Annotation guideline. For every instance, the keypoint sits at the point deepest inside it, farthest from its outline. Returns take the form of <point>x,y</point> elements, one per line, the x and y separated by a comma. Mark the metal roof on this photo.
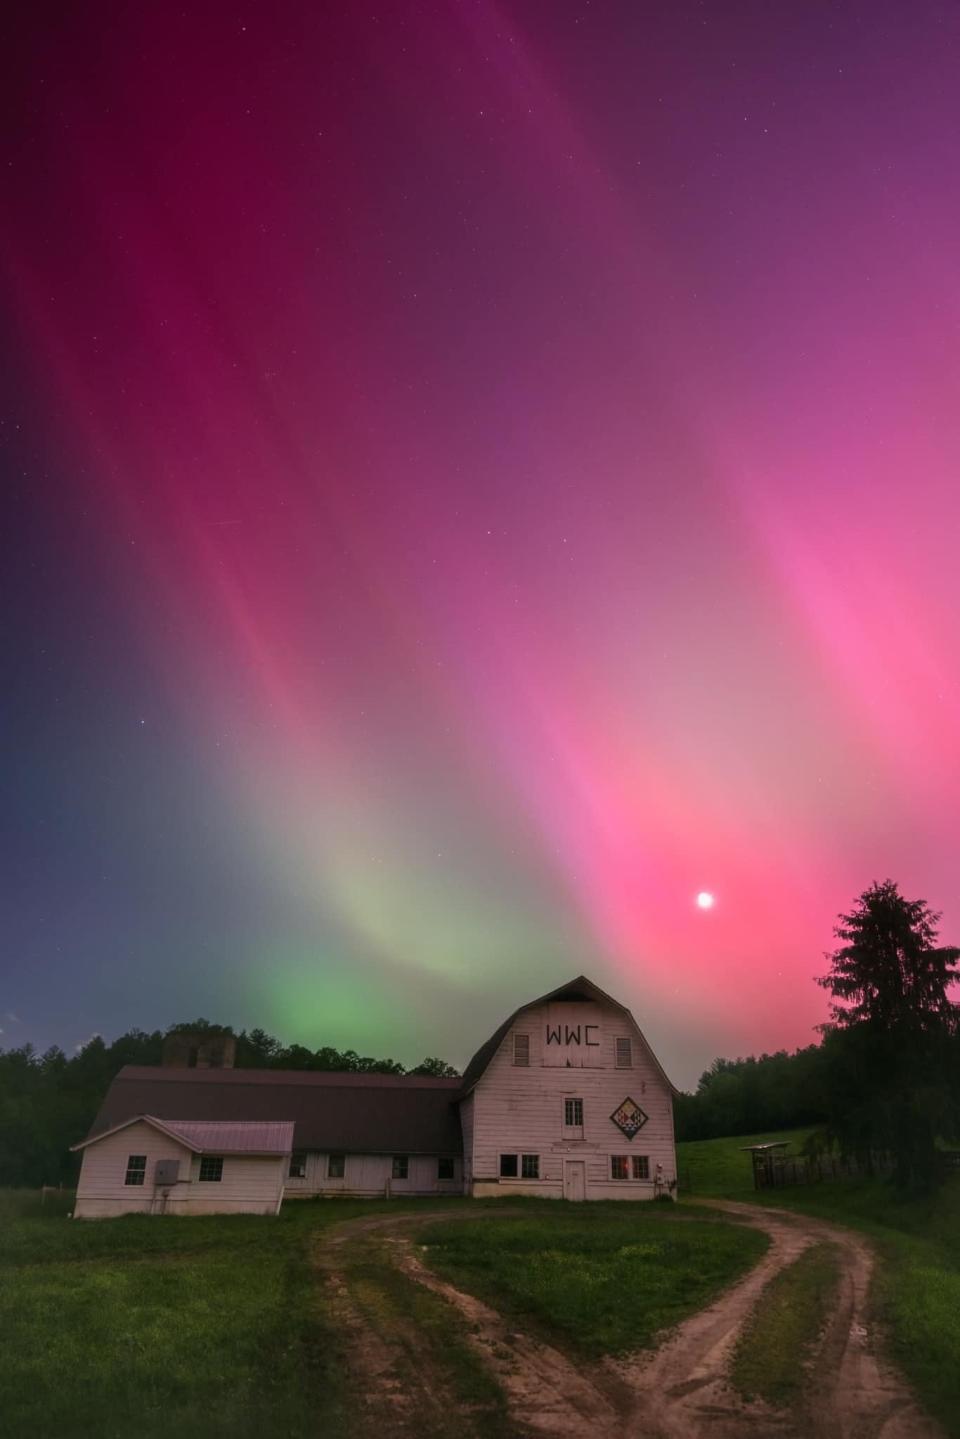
<point>345,1113</point>
<point>234,1136</point>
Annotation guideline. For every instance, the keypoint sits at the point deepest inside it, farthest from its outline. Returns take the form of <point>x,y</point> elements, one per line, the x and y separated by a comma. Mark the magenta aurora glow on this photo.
<point>475,478</point>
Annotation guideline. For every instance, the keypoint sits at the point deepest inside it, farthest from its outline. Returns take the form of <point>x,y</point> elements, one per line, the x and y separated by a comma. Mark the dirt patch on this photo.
<point>679,1391</point>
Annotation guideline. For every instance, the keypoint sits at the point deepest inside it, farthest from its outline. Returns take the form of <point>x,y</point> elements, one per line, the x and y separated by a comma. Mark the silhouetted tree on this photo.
<point>892,1044</point>
<point>436,1069</point>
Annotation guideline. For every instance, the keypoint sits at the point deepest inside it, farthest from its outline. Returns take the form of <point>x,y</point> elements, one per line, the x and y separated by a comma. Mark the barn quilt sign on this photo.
<point>629,1118</point>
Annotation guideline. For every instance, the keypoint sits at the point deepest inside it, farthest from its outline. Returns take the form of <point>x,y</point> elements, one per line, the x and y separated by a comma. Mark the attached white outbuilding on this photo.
<point>147,1165</point>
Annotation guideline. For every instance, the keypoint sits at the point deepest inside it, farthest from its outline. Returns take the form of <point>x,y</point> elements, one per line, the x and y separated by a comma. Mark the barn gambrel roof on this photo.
<point>580,988</point>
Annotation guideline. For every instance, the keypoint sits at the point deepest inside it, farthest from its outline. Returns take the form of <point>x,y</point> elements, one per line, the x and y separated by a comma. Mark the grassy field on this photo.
<point>717,1167</point>
<point>153,1326</point>
<point>917,1287</point>
<point>603,1278</point>
<point>219,1326</point>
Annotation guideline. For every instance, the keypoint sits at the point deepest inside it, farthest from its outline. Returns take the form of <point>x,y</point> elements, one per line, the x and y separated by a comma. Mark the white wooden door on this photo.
<point>574,1179</point>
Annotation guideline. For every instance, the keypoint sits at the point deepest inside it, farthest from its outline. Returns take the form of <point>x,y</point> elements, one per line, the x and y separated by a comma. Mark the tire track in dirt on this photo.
<point>682,1389</point>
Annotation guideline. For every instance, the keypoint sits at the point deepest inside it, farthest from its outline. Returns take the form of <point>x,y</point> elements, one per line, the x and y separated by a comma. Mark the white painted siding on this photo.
<point>250,1184</point>
<point>368,1175</point>
<point>519,1110</point>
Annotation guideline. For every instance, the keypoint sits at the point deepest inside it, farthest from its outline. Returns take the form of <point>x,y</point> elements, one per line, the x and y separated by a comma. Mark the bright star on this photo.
<point>705,900</point>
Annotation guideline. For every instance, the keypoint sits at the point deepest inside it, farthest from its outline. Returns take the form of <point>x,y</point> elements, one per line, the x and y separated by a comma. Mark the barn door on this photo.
<point>574,1179</point>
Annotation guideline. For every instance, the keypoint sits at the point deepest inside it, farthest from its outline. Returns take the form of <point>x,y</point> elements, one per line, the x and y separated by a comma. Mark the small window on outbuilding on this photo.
<point>641,1166</point>
<point>530,1166</point>
<point>521,1050</point>
<point>619,1166</point>
<point>211,1168</point>
<point>401,1166</point>
<point>444,1167</point>
<point>136,1169</point>
<point>508,1166</point>
<point>336,1165</point>
<point>298,1165</point>
<point>624,1054</point>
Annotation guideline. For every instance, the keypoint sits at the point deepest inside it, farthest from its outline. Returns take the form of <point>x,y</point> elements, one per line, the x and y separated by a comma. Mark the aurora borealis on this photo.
<point>475,477</point>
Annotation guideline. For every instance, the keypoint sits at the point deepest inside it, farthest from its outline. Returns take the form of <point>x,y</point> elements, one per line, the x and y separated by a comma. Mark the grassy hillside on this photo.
<point>917,1285</point>
<point>718,1167</point>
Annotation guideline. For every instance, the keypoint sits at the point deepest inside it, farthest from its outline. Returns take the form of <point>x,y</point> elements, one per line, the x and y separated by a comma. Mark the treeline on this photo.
<point>48,1101</point>
<point>750,1096</point>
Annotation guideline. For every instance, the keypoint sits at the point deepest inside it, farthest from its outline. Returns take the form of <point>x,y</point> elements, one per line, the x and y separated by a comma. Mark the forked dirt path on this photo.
<point>680,1390</point>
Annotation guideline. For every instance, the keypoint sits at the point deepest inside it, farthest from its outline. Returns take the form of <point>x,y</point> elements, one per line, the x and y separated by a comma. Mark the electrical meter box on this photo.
<point>167,1171</point>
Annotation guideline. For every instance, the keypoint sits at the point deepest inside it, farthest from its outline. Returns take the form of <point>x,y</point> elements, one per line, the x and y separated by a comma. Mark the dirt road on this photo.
<point>678,1391</point>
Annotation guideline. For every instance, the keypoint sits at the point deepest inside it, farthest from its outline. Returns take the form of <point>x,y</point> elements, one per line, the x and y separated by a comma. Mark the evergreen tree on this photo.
<point>893,1041</point>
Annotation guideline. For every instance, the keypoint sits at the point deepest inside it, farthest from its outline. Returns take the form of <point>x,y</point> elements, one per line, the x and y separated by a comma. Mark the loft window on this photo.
<point>298,1165</point>
<point>530,1166</point>
<point>336,1163</point>
<point>521,1050</point>
<point>211,1168</point>
<point>444,1167</point>
<point>624,1057</point>
<point>401,1165</point>
<point>573,1113</point>
<point>508,1166</point>
<point>641,1166</point>
<point>136,1169</point>
<point>619,1166</point>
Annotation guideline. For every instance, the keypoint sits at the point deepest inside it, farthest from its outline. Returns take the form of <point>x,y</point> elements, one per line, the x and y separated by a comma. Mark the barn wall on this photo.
<point>520,1110</point>
<point>368,1175</point>
<point>101,1189</point>
<point>250,1184</point>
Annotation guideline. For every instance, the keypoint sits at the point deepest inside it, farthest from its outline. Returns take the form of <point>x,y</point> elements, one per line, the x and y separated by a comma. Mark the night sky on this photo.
<point>474,477</point>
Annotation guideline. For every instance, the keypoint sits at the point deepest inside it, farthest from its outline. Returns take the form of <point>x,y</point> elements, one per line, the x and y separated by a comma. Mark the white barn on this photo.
<point>565,1100</point>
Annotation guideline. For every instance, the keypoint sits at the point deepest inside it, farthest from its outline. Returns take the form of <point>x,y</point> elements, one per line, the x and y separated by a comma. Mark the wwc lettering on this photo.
<point>571,1034</point>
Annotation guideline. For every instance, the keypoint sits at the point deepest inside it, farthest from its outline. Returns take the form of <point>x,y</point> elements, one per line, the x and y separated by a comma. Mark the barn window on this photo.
<point>521,1050</point>
<point>624,1058</point>
<point>573,1113</point>
<point>136,1169</point>
<point>401,1165</point>
<point>641,1166</point>
<point>530,1166</point>
<point>619,1168</point>
<point>298,1165</point>
<point>211,1168</point>
<point>336,1163</point>
<point>508,1166</point>
<point>444,1167</point>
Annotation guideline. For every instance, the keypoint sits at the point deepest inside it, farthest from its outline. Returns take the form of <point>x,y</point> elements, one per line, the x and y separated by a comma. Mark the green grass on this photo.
<point>717,1166</point>
<point>603,1279</point>
<point>776,1346</point>
<point>151,1325</point>
<point>916,1291</point>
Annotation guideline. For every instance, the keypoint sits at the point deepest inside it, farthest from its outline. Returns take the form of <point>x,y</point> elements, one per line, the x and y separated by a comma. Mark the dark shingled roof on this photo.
<point>349,1113</point>
<point>580,988</point>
